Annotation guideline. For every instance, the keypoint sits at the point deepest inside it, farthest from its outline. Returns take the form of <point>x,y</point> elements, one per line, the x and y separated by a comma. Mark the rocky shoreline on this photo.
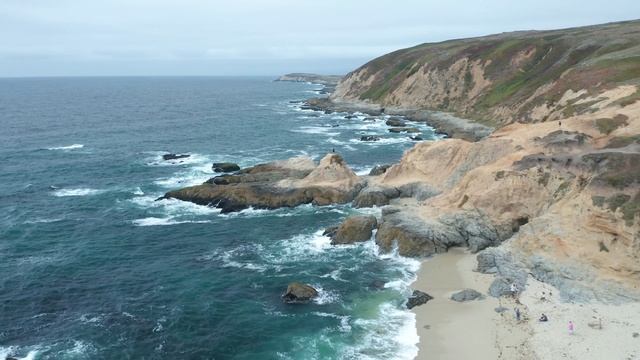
<point>551,203</point>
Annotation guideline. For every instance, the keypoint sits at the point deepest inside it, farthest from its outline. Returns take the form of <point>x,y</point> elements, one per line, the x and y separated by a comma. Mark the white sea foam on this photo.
<point>391,335</point>
<point>68,147</point>
<point>88,319</point>
<point>382,141</point>
<point>43,220</point>
<point>228,258</point>
<point>137,191</point>
<point>5,352</point>
<point>325,296</point>
<point>317,130</point>
<point>77,192</point>
<point>344,320</point>
<point>173,207</point>
<point>154,221</point>
<point>80,348</point>
<point>155,159</point>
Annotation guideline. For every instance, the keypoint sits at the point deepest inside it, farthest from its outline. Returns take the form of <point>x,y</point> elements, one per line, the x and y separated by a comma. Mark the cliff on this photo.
<point>557,184</point>
<point>530,76</point>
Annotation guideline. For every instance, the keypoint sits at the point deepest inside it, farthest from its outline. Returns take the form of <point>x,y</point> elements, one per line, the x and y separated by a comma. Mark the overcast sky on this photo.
<point>244,37</point>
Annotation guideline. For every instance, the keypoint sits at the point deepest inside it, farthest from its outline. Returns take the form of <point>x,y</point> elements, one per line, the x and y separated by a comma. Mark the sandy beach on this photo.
<point>474,329</point>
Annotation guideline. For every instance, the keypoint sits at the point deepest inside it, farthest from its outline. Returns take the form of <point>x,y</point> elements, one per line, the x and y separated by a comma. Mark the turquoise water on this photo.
<point>93,268</point>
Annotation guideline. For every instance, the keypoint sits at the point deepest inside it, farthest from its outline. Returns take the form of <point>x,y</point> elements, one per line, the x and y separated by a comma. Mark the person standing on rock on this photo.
<point>571,327</point>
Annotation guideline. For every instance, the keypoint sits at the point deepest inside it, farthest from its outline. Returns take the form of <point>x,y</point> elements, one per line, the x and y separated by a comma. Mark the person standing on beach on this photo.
<point>514,290</point>
<point>517,314</point>
<point>571,327</point>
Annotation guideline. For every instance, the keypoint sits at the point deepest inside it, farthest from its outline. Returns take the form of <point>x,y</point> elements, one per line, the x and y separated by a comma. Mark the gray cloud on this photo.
<point>191,37</point>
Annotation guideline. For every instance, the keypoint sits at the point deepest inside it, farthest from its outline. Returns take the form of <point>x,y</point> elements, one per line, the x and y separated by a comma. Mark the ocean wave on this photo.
<point>317,130</point>
<point>43,220</point>
<point>172,207</point>
<point>391,335</point>
<point>325,296</point>
<point>11,351</point>
<point>154,221</point>
<point>77,192</point>
<point>156,159</point>
<point>299,210</point>
<point>344,320</point>
<point>383,141</point>
<point>68,147</point>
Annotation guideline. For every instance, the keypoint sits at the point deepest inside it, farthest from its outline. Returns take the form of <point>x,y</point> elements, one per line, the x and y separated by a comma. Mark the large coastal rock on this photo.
<point>418,298</point>
<point>379,169</point>
<point>375,196</point>
<point>299,293</point>
<point>466,295</point>
<point>354,229</point>
<point>419,236</point>
<point>225,167</point>
<point>173,156</point>
<point>279,184</point>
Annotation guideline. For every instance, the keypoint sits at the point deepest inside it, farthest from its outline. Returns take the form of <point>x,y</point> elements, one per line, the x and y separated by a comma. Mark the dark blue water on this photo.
<point>93,268</point>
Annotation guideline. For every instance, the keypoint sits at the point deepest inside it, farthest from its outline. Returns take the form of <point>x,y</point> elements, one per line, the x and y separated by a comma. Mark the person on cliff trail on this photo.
<point>571,327</point>
<point>517,314</point>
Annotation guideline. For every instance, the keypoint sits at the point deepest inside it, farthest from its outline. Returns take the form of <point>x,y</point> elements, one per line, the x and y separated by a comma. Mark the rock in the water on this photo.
<point>299,293</point>
<point>376,285</point>
<point>418,298</point>
<point>330,231</point>
<point>287,183</point>
<point>396,122</point>
<point>225,167</point>
<point>355,229</point>
<point>404,129</point>
<point>416,138</point>
<point>466,295</point>
<point>370,138</point>
<point>379,170</point>
<point>174,156</point>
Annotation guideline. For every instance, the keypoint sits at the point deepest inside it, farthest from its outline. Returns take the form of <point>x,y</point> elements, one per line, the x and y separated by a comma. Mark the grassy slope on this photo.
<point>594,58</point>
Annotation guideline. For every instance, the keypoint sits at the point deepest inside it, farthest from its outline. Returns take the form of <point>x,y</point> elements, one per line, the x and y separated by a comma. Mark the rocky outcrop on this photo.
<point>370,138</point>
<point>353,229</point>
<point>279,184</point>
<point>417,236</point>
<point>379,170</point>
<point>225,167</point>
<point>418,298</point>
<point>396,122</point>
<point>375,196</point>
<point>466,295</point>
<point>174,156</point>
<point>299,293</point>
<point>404,130</point>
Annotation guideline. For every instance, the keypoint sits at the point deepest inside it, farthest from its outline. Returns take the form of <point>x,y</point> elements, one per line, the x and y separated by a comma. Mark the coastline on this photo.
<point>444,123</point>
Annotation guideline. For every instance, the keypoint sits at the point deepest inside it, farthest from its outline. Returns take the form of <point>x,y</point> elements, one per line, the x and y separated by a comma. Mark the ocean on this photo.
<point>94,268</point>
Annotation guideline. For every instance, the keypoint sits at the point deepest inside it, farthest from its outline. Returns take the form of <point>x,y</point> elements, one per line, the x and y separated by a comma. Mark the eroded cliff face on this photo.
<point>514,77</point>
<point>565,195</point>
